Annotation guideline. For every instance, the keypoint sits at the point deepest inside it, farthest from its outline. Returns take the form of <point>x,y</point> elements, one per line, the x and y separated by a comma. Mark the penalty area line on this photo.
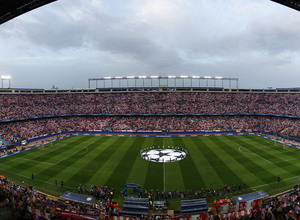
<point>34,178</point>
<point>251,152</point>
<point>35,161</point>
<point>72,155</point>
<point>254,187</point>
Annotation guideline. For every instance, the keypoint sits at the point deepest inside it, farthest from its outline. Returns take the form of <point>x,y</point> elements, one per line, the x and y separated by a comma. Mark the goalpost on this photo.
<point>42,147</point>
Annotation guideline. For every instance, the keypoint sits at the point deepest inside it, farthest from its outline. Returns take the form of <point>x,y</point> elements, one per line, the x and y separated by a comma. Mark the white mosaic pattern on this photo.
<point>163,155</point>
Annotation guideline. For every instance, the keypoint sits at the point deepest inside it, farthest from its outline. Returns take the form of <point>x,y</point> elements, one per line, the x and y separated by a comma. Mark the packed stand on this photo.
<point>20,130</point>
<point>18,202</point>
<point>194,194</point>
<point>24,106</point>
<point>282,206</point>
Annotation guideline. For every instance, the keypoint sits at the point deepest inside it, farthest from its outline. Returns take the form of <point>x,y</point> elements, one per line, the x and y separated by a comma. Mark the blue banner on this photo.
<point>78,197</point>
<point>168,114</point>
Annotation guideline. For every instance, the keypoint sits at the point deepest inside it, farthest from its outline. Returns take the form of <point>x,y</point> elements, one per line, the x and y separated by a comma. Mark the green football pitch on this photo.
<point>211,162</point>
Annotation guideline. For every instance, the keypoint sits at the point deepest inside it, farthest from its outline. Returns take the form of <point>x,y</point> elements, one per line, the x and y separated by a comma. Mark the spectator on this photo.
<point>6,210</point>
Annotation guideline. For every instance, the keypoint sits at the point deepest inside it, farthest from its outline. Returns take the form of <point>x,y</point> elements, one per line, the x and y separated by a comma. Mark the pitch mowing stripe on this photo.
<point>275,146</point>
<point>191,177</point>
<point>96,162</point>
<point>59,152</point>
<point>222,151</point>
<point>46,187</point>
<point>173,176</point>
<point>108,167</point>
<point>285,163</point>
<point>219,149</point>
<point>281,165</point>
<point>102,174</point>
<point>267,144</point>
<point>244,162</point>
<point>36,167</point>
<point>48,157</point>
<point>51,152</point>
<point>87,155</point>
<point>32,154</point>
<point>202,165</point>
<point>275,187</point>
<point>67,161</point>
<point>262,156</point>
<point>253,161</point>
<point>120,174</point>
<point>68,150</point>
<point>291,151</point>
<point>57,155</point>
<point>277,168</point>
<point>139,169</point>
<point>154,176</point>
<point>218,164</point>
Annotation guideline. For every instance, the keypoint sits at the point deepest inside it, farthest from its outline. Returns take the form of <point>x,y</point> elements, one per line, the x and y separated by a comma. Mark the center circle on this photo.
<point>163,155</point>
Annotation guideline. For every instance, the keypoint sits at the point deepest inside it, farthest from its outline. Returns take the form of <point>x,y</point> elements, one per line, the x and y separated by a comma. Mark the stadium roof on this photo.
<point>10,9</point>
<point>295,4</point>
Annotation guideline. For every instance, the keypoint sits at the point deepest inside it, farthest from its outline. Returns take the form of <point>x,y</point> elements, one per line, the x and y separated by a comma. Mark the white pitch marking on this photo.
<point>164,177</point>
<point>254,187</point>
<point>258,156</point>
<point>70,156</point>
<point>36,161</point>
<point>34,178</point>
<point>249,152</point>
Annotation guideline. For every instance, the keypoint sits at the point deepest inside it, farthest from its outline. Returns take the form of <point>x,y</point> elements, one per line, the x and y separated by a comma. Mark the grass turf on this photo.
<point>115,161</point>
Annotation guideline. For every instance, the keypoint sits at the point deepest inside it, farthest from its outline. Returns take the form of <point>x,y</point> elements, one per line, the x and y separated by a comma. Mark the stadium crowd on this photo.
<point>194,194</point>
<point>20,130</point>
<point>24,106</point>
<point>18,202</point>
<point>21,200</point>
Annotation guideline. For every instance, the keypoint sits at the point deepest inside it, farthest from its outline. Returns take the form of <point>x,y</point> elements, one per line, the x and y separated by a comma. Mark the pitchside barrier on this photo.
<point>193,207</point>
<point>78,198</point>
<point>135,206</point>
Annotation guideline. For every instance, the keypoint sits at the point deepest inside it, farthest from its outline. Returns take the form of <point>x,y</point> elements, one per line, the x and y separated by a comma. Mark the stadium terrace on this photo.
<point>48,133</point>
<point>30,119</point>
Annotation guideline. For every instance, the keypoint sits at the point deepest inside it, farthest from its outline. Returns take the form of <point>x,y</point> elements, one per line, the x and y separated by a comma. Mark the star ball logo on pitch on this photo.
<point>160,155</point>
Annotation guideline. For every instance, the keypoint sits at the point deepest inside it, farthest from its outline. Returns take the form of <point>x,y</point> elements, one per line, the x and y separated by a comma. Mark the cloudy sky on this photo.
<point>66,42</point>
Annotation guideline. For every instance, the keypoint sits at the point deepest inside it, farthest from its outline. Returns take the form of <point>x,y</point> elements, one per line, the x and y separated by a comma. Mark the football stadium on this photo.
<point>148,147</point>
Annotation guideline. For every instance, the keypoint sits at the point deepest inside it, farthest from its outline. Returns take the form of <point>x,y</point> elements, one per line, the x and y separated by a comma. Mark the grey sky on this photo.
<point>68,41</point>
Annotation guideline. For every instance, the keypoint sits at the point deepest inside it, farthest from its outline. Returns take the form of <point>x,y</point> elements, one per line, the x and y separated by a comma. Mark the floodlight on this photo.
<point>154,77</point>
<point>171,76</point>
<point>218,77</point>
<point>183,76</point>
<point>130,77</point>
<point>142,77</point>
<point>196,77</point>
<point>119,77</point>
<point>207,77</point>
<point>5,77</point>
<point>107,77</point>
